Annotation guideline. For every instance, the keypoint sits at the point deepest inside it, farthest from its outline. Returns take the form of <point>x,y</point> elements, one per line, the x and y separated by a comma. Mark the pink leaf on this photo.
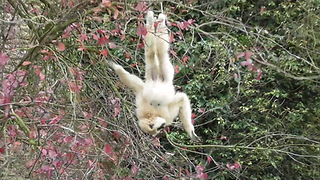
<point>3,59</point>
<point>233,166</point>
<point>134,170</point>
<point>209,159</point>
<point>52,154</point>
<point>112,45</point>
<point>83,37</point>
<point>107,149</point>
<point>259,73</point>
<point>166,177</point>
<point>248,54</point>
<point>240,55</point>
<point>2,150</point>
<point>25,63</point>
<point>201,110</point>
<point>142,30</point>
<point>262,9</point>
<point>247,63</point>
<point>61,46</point>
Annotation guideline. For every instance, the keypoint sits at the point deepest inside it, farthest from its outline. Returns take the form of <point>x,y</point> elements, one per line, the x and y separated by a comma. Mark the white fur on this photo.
<point>156,100</point>
<point>159,89</point>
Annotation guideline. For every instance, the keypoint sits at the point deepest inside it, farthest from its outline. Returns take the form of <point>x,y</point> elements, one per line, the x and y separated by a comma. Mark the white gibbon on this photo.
<point>157,102</point>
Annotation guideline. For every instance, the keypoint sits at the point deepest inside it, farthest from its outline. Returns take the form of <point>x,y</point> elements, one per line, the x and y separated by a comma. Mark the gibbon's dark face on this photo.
<point>153,127</point>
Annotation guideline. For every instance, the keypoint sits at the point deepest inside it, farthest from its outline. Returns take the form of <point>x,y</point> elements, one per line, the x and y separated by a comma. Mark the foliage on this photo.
<point>250,69</point>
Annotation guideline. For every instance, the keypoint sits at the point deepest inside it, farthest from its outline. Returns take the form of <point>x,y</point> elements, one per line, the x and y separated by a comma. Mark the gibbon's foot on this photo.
<point>162,18</point>
<point>150,19</point>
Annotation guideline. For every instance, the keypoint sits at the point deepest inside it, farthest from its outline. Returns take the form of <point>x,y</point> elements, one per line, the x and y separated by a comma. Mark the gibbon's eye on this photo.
<point>161,127</point>
<point>151,126</point>
<point>158,104</point>
<point>151,104</point>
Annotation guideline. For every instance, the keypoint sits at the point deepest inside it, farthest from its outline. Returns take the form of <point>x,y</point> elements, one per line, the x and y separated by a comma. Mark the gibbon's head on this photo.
<point>160,96</point>
<point>152,126</point>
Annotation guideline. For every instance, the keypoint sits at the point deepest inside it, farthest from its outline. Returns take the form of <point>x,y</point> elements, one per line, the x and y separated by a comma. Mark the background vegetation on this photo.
<point>250,68</point>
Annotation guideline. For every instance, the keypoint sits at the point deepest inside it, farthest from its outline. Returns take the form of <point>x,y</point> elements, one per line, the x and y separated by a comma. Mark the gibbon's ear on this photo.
<point>126,78</point>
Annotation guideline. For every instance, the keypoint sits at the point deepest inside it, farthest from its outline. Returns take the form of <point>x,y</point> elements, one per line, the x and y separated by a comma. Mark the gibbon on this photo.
<point>157,103</point>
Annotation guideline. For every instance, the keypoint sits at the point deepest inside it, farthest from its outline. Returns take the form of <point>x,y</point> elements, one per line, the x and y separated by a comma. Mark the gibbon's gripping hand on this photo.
<point>182,100</point>
<point>128,79</point>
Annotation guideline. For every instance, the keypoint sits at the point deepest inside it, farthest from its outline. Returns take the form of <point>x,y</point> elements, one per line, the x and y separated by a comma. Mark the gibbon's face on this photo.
<point>152,127</point>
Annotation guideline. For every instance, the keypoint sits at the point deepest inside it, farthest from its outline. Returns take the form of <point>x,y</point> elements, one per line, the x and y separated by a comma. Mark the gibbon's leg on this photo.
<point>182,100</point>
<point>162,45</point>
<point>151,67</point>
<point>128,79</point>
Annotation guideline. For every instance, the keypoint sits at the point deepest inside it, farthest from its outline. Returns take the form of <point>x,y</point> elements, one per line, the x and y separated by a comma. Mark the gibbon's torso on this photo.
<point>145,110</point>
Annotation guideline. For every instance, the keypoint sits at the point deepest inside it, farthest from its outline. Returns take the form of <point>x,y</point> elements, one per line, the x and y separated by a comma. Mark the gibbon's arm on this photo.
<point>128,79</point>
<point>182,100</point>
<point>152,72</point>
<point>162,45</point>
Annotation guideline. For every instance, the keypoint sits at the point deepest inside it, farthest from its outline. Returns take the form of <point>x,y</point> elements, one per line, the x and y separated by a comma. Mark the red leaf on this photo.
<point>104,52</point>
<point>128,55</point>
<point>3,59</point>
<point>116,135</point>
<point>2,150</point>
<point>33,134</point>
<point>185,59</point>
<point>141,45</point>
<point>176,69</point>
<point>25,63</point>
<point>103,40</point>
<point>171,38</point>
<point>116,14</point>
<point>142,30</point>
<point>61,46</point>
<point>107,149</point>
<point>141,6</point>
<point>193,115</point>
<point>74,87</point>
